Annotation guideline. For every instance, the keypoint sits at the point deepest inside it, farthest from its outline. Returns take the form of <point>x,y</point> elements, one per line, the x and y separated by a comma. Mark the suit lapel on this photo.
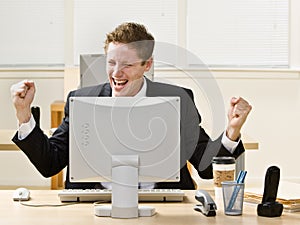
<point>99,90</point>
<point>105,90</point>
<point>150,89</point>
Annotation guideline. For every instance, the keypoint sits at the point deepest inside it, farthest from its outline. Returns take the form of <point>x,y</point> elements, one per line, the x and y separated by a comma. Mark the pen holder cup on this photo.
<point>233,197</point>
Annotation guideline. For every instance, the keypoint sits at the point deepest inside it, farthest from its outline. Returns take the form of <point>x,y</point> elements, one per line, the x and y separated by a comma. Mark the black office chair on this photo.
<point>35,110</point>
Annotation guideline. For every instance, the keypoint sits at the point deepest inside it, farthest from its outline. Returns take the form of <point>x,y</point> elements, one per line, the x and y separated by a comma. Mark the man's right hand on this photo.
<point>22,96</point>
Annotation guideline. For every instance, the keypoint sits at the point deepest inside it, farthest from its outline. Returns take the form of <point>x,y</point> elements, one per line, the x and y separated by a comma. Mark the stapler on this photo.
<point>208,206</point>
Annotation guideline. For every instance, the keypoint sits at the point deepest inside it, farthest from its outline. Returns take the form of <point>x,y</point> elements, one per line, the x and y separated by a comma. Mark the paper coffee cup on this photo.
<point>223,170</point>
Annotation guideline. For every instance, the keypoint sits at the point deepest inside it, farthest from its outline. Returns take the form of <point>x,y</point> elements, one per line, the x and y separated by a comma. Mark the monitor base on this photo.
<point>106,211</point>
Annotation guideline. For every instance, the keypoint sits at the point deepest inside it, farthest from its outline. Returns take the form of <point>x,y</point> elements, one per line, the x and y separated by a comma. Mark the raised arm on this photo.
<point>237,115</point>
<point>22,97</point>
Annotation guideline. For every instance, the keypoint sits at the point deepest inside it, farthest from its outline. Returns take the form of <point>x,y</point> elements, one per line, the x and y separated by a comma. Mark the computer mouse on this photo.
<point>21,194</point>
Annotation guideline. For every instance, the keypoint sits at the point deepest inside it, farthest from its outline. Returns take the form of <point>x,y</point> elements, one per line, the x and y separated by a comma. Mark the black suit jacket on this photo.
<point>51,155</point>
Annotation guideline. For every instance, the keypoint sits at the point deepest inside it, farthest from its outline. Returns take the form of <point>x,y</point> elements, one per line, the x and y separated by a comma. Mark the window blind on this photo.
<point>238,33</point>
<point>32,32</point>
<point>93,19</point>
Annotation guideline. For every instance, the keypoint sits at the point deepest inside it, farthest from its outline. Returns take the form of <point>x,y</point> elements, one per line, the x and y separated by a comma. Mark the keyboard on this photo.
<point>145,195</point>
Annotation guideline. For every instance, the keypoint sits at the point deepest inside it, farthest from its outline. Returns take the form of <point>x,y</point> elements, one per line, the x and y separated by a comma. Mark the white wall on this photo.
<point>274,121</point>
<point>15,168</point>
<point>49,87</point>
<point>274,94</point>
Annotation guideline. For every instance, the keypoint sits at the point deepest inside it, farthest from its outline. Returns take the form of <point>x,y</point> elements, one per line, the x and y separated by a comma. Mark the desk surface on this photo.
<point>83,213</point>
<point>7,144</point>
<point>5,140</point>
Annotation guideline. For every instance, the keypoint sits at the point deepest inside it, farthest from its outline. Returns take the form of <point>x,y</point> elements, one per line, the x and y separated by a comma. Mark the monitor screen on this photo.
<point>105,127</point>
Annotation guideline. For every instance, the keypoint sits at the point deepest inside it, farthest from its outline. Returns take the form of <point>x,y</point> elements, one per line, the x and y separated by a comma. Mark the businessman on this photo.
<point>129,48</point>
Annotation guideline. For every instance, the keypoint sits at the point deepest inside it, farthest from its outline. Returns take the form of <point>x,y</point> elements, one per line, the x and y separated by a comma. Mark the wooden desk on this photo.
<point>249,143</point>
<point>5,141</point>
<point>167,213</point>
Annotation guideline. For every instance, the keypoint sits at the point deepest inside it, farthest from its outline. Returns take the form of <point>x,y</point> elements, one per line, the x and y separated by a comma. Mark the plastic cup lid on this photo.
<point>223,160</point>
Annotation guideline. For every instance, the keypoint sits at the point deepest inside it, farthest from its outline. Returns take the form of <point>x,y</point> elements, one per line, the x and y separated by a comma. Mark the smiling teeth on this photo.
<point>120,82</point>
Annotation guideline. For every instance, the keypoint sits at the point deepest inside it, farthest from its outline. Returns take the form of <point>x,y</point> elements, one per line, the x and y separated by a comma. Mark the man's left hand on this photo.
<point>237,115</point>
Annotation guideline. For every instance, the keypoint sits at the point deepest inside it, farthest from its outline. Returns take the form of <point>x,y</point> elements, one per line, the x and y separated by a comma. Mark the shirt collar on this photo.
<point>142,92</point>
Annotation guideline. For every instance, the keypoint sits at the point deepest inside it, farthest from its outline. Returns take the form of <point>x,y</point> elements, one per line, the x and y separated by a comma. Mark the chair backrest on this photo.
<point>35,110</point>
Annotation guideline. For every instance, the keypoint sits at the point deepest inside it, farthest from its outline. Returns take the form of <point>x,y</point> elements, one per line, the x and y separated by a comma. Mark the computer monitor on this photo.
<point>124,140</point>
<point>93,70</point>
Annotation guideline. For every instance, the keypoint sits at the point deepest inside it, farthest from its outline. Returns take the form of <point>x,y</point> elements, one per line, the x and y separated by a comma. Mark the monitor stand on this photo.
<point>124,196</point>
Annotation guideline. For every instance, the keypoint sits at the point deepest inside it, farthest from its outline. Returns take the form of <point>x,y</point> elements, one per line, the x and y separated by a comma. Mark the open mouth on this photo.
<point>119,82</point>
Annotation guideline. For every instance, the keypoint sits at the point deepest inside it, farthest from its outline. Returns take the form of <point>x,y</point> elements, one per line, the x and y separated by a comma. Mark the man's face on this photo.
<point>125,69</point>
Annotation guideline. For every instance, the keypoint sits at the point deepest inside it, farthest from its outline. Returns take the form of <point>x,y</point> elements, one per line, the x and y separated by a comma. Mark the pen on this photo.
<point>240,180</point>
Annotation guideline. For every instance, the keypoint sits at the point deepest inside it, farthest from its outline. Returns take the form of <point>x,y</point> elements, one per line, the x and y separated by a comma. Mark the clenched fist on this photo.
<point>22,96</point>
<point>237,115</point>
